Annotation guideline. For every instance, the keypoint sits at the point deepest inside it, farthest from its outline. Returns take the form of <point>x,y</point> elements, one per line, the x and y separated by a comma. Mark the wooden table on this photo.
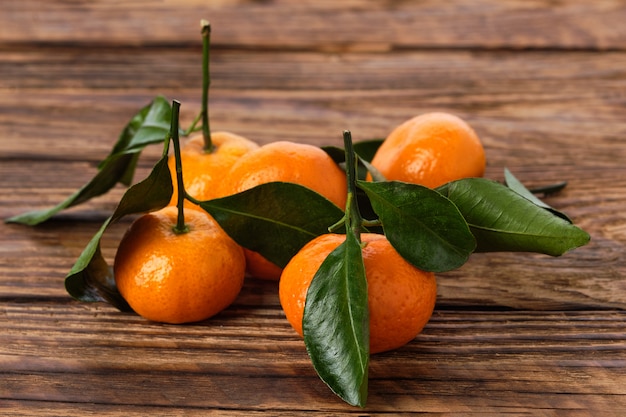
<point>544,85</point>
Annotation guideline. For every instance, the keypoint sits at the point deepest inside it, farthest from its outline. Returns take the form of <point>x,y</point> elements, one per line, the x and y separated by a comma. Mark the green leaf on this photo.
<point>275,219</point>
<point>105,179</point>
<point>503,220</point>
<point>127,179</point>
<point>91,278</point>
<point>516,185</point>
<point>336,322</point>
<point>366,149</point>
<point>336,153</point>
<point>423,226</point>
<point>149,125</point>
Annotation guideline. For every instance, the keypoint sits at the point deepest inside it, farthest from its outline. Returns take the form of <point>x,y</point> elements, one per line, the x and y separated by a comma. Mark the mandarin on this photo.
<point>202,169</point>
<point>401,297</point>
<point>173,277</point>
<point>285,161</point>
<point>431,149</point>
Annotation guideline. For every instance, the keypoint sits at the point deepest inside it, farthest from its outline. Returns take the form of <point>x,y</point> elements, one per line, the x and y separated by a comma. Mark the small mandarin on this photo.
<point>259,267</point>
<point>285,161</point>
<point>178,277</point>
<point>401,297</point>
<point>431,149</point>
<point>204,170</point>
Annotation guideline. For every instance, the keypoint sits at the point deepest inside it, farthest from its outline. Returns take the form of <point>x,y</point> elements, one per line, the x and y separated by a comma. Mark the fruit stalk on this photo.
<point>206,82</point>
<point>180,221</point>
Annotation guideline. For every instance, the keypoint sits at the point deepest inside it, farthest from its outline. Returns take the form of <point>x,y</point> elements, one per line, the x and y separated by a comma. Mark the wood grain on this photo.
<point>542,82</point>
<point>322,25</point>
<point>531,358</point>
<point>523,103</point>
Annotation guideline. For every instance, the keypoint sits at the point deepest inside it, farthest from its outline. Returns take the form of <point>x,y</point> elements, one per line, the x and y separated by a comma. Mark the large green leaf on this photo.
<point>91,278</point>
<point>336,322</point>
<point>275,219</point>
<point>149,125</point>
<point>503,220</point>
<point>423,226</point>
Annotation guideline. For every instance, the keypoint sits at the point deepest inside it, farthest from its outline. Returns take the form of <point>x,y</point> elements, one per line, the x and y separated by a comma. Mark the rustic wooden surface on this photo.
<point>542,82</point>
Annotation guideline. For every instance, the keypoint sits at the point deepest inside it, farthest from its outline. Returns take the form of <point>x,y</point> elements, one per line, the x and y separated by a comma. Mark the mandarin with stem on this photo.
<point>175,265</point>
<point>203,170</point>
<point>178,277</point>
<point>401,297</point>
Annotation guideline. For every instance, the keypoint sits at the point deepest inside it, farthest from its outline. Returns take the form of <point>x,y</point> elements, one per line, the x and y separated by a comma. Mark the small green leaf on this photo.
<point>275,219</point>
<point>336,153</point>
<point>336,322</point>
<point>149,125</point>
<point>91,278</point>
<point>366,149</point>
<point>516,185</point>
<point>115,168</point>
<point>127,179</point>
<point>503,220</point>
<point>426,229</point>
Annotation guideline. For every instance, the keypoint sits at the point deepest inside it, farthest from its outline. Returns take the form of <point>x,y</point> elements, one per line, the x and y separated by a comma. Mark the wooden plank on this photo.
<point>37,259</point>
<point>248,358</point>
<point>518,128</point>
<point>446,71</point>
<point>321,25</point>
<point>524,102</point>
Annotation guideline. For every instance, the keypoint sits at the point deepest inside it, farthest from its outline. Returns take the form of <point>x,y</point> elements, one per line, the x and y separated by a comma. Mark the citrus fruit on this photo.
<point>431,149</point>
<point>285,161</point>
<point>178,277</point>
<point>203,170</point>
<point>401,297</point>
<point>259,267</point>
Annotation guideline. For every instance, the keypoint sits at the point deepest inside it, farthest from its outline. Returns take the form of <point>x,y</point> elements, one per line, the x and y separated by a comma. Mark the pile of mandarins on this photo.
<point>166,276</point>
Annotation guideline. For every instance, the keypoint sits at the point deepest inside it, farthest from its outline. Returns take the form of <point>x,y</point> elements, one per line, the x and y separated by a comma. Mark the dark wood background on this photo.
<point>542,82</point>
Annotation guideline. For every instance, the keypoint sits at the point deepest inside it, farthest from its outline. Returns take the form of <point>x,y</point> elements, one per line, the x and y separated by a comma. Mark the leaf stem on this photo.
<point>192,128</point>
<point>180,221</point>
<point>206,81</point>
<point>371,223</point>
<point>353,219</point>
